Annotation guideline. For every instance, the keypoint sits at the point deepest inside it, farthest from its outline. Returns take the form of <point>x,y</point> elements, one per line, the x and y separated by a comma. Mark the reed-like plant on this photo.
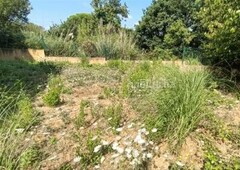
<point>114,43</point>
<point>180,102</point>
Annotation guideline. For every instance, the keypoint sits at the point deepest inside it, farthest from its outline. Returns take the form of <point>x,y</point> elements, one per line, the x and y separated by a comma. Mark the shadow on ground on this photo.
<point>27,76</point>
<point>228,80</point>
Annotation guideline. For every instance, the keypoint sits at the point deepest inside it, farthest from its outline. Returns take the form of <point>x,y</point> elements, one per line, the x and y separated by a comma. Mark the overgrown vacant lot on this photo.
<point>122,115</point>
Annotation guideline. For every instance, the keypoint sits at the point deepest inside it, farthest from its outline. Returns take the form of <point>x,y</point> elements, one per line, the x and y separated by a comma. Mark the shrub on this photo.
<point>60,46</point>
<point>89,49</point>
<point>159,53</point>
<point>52,44</point>
<point>180,103</point>
<point>33,40</point>
<point>55,87</point>
<point>114,44</point>
<point>221,33</point>
<point>11,38</point>
<point>106,48</point>
<point>27,116</point>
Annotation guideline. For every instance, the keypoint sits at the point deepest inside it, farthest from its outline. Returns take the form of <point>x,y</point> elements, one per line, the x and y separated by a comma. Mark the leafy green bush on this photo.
<point>169,25</point>
<point>163,54</point>
<point>33,40</point>
<point>11,38</point>
<point>55,87</point>
<point>221,33</point>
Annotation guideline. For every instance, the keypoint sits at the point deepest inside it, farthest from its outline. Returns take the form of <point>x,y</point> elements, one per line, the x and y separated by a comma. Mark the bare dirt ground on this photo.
<point>60,139</point>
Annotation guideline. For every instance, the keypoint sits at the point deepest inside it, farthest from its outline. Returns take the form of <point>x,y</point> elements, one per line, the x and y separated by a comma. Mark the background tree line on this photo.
<point>206,26</point>
<point>206,29</point>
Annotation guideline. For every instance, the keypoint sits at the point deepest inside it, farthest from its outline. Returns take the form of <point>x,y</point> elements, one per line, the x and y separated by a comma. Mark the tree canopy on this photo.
<point>13,15</point>
<point>14,11</point>
<point>109,11</point>
<point>78,25</point>
<point>221,20</point>
<point>167,24</point>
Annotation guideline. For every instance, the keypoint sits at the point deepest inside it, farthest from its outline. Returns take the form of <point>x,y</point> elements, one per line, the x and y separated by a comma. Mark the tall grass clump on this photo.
<point>15,116</point>
<point>61,46</point>
<point>8,102</point>
<point>114,44</point>
<point>80,119</point>
<point>52,44</point>
<point>26,116</point>
<point>180,103</point>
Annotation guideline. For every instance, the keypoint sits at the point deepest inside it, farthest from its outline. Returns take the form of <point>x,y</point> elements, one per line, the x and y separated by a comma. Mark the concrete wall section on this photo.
<point>24,54</point>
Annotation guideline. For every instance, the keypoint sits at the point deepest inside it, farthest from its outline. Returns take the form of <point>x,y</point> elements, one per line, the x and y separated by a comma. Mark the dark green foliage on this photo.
<point>89,49</point>
<point>17,76</point>
<point>13,13</point>
<point>221,20</point>
<point>31,27</point>
<point>168,25</point>
<point>11,38</point>
<point>109,11</point>
<point>78,26</point>
<point>203,25</point>
<point>52,44</point>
